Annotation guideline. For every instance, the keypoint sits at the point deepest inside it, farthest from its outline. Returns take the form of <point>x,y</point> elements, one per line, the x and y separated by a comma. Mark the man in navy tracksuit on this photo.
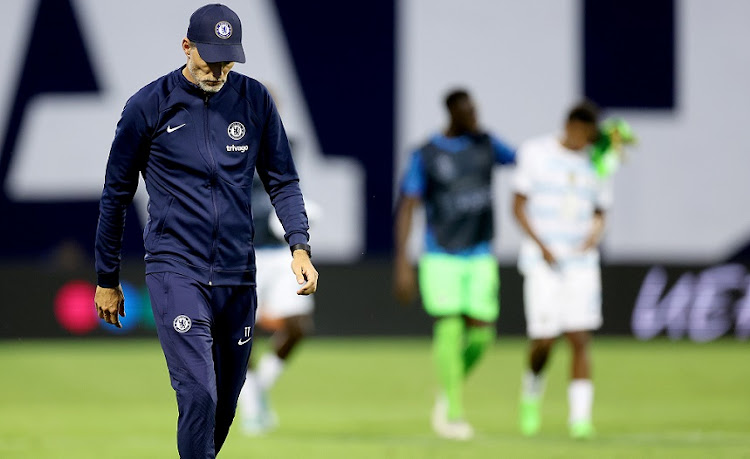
<point>197,134</point>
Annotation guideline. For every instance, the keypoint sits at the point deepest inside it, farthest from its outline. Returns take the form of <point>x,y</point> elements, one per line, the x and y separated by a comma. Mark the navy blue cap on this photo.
<point>217,32</point>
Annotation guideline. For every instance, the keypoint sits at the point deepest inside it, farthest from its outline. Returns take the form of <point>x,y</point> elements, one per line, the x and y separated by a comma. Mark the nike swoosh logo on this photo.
<point>241,342</point>
<point>172,129</point>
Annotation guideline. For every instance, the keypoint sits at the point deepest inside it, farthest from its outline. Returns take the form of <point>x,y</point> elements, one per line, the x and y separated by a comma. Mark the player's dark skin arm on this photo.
<point>597,231</point>
<point>519,211</point>
<point>404,275</point>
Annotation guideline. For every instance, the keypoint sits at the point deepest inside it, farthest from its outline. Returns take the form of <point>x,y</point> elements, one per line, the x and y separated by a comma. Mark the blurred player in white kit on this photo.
<point>560,204</point>
<point>280,311</point>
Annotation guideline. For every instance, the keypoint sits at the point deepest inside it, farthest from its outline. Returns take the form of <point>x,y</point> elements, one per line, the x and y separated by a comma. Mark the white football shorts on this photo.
<point>277,287</point>
<point>562,300</point>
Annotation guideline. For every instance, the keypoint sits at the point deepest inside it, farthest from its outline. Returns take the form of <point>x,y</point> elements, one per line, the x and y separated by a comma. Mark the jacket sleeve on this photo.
<point>276,170</point>
<point>126,159</point>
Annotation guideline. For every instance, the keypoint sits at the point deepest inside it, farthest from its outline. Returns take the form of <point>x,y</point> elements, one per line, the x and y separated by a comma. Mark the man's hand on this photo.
<point>591,242</point>
<point>548,257</point>
<point>597,231</point>
<point>404,281</point>
<point>305,272</point>
<point>404,275</point>
<point>519,210</point>
<point>110,304</point>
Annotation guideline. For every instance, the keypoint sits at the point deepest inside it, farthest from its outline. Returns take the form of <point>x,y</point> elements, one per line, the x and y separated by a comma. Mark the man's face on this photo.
<point>464,115</point>
<point>580,134</point>
<point>209,76</point>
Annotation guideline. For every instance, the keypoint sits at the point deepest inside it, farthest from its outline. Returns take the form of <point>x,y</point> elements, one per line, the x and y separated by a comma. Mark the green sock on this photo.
<point>478,339</point>
<point>447,343</point>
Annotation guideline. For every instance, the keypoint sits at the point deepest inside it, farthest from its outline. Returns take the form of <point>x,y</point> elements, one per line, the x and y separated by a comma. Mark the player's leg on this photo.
<point>542,302</point>
<point>291,318</point>
<point>292,313</point>
<point>257,413</point>
<point>533,385</point>
<point>539,351</point>
<point>234,319</point>
<point>250,400</point>
<point>583,288</point>
<point>482,308</point>
<point>183,317</point>
<point>580,365</point>
<point>581,388</point>
<point>479,337</point>
<point>249,403</point>
<point>294,330</point>
<point>440,283</point>
<point>284,340</point>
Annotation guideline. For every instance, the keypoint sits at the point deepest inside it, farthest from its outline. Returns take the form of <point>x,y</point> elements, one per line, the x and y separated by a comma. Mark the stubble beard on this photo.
<point>205,87</point>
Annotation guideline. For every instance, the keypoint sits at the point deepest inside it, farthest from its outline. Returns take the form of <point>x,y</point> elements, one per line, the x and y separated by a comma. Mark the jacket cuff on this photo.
<point>297,238</point>
<point>108,280</point>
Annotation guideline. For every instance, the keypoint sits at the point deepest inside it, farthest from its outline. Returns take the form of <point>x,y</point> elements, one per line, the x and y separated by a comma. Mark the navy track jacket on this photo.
<point>197,154</point>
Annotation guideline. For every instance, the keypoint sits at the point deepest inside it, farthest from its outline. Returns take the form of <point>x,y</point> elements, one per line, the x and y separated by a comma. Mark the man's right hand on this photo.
<point>404,281</point>
<point>110,304</point>
<point>549,257</point>
<point>519,210</point>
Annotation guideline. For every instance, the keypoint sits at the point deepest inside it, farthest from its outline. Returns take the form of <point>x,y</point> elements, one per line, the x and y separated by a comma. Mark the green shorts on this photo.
<point>455,285</point>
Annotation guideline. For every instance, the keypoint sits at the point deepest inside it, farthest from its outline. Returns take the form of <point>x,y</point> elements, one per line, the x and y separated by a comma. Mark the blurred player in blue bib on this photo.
<point>451,175</point>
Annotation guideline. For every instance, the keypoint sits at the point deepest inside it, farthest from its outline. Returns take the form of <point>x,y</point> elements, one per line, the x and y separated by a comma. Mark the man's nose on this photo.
<point>215,69</point>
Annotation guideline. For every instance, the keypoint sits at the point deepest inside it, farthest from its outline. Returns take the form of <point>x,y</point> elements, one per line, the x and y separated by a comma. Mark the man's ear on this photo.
<point>186,46</point>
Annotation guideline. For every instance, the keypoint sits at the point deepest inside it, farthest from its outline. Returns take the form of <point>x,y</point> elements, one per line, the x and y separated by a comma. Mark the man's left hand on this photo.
<point>307,276</point>
<point>597,231</point>
<point>591,243</point>
<point>109,303</point>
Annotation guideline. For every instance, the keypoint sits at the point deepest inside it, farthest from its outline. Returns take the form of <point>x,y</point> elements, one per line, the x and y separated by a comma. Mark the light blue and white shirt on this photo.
<point>563,192</point>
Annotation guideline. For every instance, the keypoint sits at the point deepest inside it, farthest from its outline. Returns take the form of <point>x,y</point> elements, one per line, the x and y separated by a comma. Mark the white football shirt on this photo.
<point>563,191</point>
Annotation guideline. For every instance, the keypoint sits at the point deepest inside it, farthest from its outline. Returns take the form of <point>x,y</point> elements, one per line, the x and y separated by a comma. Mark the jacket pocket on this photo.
<point>156,227</point>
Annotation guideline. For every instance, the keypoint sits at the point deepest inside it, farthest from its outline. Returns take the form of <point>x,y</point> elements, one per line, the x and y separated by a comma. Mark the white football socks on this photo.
<point>532,386</point>
<point>580,400</point>
<point>249,401</point>
<point>270,368</point>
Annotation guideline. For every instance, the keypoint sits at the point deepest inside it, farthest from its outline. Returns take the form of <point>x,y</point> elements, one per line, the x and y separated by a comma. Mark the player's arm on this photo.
<point>604,199</point>
<point>120,184</point>
<point>523,185</point>
<point>279,176</point>
<point>519,211</point>
<point>597,231</point>
<point>404,274</point>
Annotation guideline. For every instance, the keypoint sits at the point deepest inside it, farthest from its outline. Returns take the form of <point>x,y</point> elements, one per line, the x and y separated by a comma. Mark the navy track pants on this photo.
<point>206,335</point>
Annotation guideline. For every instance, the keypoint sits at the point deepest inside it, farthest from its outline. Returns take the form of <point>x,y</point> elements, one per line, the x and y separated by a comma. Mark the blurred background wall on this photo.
<point>359,85</point>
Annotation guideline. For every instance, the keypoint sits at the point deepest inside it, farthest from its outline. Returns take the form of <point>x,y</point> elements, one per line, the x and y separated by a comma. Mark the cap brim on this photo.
<point>221,53</point>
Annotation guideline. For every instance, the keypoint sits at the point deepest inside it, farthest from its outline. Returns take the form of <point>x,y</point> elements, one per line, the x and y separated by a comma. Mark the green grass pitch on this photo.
<point>370,398</point>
